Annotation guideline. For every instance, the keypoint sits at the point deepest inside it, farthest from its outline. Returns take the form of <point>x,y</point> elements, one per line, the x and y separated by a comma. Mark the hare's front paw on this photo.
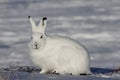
<point>58,72</point>
<point>43,71</point>
<point>54,72</point>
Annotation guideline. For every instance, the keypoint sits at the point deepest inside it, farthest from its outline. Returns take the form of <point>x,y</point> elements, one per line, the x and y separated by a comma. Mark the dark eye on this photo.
<point>41,36</point>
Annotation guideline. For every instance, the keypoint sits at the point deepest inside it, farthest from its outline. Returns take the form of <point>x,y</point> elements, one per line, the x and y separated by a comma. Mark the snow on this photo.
<point>94,23</point>
<point>30,72</point>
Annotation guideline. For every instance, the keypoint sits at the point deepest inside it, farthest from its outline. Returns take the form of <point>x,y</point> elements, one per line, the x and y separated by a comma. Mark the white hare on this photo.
<point>57,54</point>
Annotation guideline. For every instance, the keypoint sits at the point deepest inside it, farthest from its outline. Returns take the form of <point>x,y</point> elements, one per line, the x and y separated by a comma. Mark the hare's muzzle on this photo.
<point>36,46</point>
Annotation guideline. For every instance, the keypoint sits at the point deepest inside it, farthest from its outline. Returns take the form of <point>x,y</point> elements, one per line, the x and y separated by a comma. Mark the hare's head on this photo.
<point>38,38</point>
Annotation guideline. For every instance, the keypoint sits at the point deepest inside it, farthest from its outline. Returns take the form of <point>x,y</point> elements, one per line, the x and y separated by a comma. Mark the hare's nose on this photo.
<point>35,42</point>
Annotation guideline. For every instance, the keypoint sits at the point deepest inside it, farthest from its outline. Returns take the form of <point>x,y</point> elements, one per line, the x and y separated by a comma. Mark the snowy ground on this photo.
<point>32,73</point>
<point>94,23</point>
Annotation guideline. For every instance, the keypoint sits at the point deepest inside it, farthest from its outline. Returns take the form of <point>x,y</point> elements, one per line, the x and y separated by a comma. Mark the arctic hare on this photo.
<point>57,54</point>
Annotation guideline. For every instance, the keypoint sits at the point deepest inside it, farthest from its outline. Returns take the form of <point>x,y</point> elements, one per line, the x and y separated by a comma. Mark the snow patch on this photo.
<point>103,36</point>
<point>7,33</point>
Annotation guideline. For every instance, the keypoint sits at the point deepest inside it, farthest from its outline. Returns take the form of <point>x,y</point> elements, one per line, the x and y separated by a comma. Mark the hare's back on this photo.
<point>64,42</point>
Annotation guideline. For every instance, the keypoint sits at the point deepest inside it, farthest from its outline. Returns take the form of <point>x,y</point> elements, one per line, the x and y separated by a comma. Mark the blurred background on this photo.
<point>94,23</point>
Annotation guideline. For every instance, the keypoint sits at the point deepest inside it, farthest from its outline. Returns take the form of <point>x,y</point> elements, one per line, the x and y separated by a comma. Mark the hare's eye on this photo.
<point>41,36</point>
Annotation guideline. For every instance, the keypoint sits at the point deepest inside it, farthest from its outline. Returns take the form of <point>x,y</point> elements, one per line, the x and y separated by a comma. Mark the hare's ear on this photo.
<point>42,24</point>
<point>33,25</point>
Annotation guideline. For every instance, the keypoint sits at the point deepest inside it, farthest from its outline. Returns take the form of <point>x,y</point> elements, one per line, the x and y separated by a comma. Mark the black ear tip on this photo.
<point>29,17</point>
<point>44,18</point>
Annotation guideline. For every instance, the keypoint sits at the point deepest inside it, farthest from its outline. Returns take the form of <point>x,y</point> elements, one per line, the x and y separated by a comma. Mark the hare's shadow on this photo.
<point>95,70</point>
<point>4,46</point>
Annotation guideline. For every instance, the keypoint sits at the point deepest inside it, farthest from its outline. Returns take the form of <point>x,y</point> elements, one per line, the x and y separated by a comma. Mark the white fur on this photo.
<point>56,53</point>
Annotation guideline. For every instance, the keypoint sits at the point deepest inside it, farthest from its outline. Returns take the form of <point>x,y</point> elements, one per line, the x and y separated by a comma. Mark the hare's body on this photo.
<point>59,54</point>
